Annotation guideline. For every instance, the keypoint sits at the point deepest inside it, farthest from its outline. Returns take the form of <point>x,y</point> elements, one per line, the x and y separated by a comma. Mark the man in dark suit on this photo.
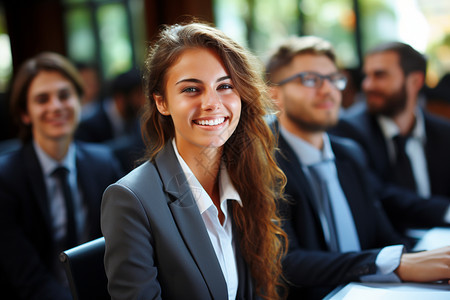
<point>413,178</point>
<point>51,188</point>
<point>337,230</point>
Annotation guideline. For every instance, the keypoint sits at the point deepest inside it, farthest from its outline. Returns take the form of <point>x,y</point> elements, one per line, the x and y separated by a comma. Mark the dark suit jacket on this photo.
<point>157,246</point>
<point>96,128</point>
<point>405,208</point>
<point>310,267</point>
<point>28,251</point>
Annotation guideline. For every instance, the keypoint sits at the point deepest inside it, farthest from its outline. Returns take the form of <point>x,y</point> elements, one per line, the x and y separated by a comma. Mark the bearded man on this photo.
<point>407,148</point>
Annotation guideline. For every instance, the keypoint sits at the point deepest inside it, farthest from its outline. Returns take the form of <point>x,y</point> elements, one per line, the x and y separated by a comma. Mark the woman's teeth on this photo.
<point>210,122</point>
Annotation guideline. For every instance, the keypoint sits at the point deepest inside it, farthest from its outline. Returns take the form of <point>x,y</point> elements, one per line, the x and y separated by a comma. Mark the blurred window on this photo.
<point>110,33</point>
<point>263,24</point>
<point>353,26</point>
<point>5,54</point>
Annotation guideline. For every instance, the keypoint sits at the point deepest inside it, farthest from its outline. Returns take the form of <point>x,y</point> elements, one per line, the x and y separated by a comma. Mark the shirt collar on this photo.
<point>390,129</point>
<point>305,152</point>
<point>226,188</point>
<point>48,164</point>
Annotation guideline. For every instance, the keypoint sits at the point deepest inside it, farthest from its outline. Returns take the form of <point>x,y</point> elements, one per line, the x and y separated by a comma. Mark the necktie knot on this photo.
<point>60,172</point>
<point>322,170</point>
<point>402,172</point>
<point>400,143</point>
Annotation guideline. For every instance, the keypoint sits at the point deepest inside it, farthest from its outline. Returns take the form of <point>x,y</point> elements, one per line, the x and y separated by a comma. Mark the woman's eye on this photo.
<point>225,86</point>
<point>190,90</point>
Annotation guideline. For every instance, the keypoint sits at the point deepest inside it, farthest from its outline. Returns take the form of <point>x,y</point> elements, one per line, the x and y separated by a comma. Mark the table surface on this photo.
<point>432,239</point>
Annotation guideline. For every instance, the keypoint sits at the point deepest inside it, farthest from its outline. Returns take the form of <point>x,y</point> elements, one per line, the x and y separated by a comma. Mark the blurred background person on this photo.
<point>337,229</point>
<point>116,122</point>
<point>119,114</point>
<point>407,147</point>
<point>93,88</point>
<point>51,188</point>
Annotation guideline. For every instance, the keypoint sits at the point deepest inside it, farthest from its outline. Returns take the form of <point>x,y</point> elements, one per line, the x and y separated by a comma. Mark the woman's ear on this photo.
<point>161,105</point>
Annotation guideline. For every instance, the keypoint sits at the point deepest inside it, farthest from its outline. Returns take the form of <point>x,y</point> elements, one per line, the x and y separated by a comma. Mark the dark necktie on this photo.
<point>402,171</point>
<point>61,173</point>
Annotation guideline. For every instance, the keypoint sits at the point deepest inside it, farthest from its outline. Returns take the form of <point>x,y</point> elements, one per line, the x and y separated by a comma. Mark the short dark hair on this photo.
<point>410,59</point>
<point>48,61</point>
<point>293,46</point>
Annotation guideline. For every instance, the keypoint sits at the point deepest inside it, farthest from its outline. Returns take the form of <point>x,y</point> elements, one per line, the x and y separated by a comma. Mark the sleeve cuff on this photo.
<point>447,216</point>
<point>387,261</point>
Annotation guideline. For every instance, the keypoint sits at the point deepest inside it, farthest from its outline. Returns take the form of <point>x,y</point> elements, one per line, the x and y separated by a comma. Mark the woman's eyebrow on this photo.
<point>223,78</point>
<point>188,80</point>
<point>194,80</point>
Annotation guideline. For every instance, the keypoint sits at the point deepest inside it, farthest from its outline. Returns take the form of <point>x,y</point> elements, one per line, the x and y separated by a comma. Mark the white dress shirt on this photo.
<point>221,235</point>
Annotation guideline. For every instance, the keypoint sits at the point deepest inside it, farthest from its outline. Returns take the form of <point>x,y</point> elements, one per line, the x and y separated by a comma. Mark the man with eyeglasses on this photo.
<point>337,230</point>
<point>407,148</point>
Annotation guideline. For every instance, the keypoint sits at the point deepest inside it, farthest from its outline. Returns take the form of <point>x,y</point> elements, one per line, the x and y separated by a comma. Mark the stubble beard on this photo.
<point>309,126</point>
<point>394,103</point>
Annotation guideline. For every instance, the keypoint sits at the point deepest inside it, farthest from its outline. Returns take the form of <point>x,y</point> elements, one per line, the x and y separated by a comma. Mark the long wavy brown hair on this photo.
<point>248,153</point>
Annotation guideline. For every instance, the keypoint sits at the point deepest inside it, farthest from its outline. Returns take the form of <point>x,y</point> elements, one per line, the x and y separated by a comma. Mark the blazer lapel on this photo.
<point>189,221</point>
<point>300,189</point>
<point>88,186</point>
<point>36,178</point>
<point>292,165</point>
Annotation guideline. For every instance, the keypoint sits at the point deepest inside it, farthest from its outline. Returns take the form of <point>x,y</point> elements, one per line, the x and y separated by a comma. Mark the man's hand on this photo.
<point>426,266</point>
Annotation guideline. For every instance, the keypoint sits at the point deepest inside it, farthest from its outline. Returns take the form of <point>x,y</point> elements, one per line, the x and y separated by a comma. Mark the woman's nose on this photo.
<point>211,101</point>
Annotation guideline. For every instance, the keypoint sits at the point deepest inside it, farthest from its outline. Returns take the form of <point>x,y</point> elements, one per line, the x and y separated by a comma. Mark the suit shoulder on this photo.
<point>95,149</point>
<point>345,143</point>
<point>356,117</point>
<point>348,148</point>
<point>11,166</point>
<point>98,157</point>
<point>357,126</point>
<point>143,178</point>
<point>438,122</point>
<point>9,157</point>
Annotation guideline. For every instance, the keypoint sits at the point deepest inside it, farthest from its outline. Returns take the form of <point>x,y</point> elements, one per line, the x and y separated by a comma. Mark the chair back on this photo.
<point>85,270</point>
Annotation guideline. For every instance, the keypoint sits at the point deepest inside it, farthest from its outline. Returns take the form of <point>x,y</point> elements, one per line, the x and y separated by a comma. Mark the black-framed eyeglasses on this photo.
<point>315,80</point>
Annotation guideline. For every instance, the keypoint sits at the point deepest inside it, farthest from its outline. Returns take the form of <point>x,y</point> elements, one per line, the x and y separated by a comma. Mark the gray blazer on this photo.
<point>157,246</point>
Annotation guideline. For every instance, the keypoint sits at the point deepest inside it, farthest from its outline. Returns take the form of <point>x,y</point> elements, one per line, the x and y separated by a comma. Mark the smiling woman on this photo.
<point>202,102</point>
<point>189,221</point>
